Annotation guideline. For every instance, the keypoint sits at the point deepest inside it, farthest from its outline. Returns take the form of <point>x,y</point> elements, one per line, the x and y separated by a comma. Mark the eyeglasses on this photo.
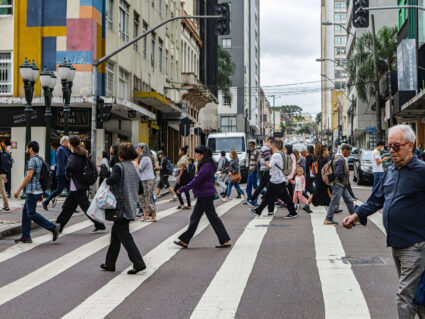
<point>396,146</point>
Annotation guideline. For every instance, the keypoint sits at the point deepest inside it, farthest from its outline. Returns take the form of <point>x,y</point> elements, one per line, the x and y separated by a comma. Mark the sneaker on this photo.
<point>254,212</point>
<point>270,213</point>
<point>173,199</point>
<point>338,211</point>
<point>98,231</point>
<point>330,222</point>
<point>291,216</point>
<point>225,199</point>
<point>6,210</point>
<point>23,240</point>
<point>307,209</point>
<point>55,232</point>
<point>54,202</point>
<point>239,196</point>
<point>245,203</point>
<point>252,204</point>
<point>44,204</point>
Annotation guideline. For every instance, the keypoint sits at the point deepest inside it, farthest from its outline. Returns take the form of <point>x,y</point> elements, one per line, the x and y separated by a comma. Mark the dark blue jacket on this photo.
<point>62,155</point>
<point>401,194</point>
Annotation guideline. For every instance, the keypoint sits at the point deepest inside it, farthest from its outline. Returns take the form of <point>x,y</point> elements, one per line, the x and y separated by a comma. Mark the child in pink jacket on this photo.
<point>299,182</point>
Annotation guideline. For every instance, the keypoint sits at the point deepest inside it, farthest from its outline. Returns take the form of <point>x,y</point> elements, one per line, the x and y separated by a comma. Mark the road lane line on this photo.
<point>375,218</point>
<point>342,295</point>
<point>17,249</point>
<point>111,295</point>
<point>54,268</point>
<point>223,295</point>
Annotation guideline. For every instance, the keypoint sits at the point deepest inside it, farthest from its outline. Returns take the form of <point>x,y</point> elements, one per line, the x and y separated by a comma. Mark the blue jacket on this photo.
<point>62,155</point>
<point>401,194</point>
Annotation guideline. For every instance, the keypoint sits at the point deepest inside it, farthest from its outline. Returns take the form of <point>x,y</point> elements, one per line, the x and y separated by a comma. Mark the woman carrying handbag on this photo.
<point>124,183</point>
<point>183,178</point>
<point>234,173</point>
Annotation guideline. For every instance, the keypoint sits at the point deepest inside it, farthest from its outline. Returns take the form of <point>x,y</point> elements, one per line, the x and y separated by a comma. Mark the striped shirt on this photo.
<point>34,186</point>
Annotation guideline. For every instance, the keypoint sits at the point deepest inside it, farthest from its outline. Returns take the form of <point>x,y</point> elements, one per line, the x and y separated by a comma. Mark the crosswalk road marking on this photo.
<point>107,298</point>
<point>221,299</point>
<point>375,218</point>
<point>17,249</point>
<point>342,295</point>
<point>54,268</point>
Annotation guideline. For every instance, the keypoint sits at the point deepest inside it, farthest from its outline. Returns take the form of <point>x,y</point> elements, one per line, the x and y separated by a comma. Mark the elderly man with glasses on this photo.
<point>401,193</point>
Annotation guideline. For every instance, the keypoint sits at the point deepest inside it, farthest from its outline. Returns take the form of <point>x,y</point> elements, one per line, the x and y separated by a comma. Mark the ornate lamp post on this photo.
<point>29,74</point>
<point>67,74</point>
<point>48,82</point>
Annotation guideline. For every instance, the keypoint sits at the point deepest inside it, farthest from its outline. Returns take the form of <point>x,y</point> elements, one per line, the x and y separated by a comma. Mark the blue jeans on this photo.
<point>252,182</point>
<point>339,190</point>
<point>376,179</point>
<point>29,214</point>
<point>61,182</point>
<point>238,188</point>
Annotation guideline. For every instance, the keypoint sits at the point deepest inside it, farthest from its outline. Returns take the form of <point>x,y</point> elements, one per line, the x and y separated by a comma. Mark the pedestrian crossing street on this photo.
<point>202,282</point>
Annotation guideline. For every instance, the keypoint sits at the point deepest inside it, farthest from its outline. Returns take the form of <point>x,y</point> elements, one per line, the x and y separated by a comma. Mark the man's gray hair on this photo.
<point>408,134</point>
<point>64,138</point>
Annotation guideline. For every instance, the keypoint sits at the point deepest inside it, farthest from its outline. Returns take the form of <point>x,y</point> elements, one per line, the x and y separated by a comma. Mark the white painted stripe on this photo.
<point>54,268</point>
<point>21,248</point>
<point>222,297</point>
<point>375,218</point>
<point>342,295</point>
<point>107,298</point>
<point>360,187</point>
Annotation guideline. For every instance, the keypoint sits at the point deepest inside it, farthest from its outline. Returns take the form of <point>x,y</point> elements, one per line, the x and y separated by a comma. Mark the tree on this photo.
<point>319,118</point>
<point>226,69</point>
<point>292,113</point>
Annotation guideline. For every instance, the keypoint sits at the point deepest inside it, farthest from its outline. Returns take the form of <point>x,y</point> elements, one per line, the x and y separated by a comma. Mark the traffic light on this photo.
<point>223,23</point>
<point>185,127</point>
<point>103,110</point>
<point>361,16</point>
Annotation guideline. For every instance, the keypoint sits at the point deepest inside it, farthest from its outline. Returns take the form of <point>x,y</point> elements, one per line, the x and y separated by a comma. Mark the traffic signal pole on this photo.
<point>96,63</point>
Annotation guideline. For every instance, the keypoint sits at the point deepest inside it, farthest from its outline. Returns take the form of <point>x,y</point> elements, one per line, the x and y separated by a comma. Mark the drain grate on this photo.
<point>365,260</point>
<point>272,226</point>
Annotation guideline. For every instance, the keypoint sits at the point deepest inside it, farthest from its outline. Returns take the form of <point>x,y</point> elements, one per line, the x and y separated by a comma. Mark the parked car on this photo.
<point>353,156</point>
<point>363,168</point>
<point>386,164</point>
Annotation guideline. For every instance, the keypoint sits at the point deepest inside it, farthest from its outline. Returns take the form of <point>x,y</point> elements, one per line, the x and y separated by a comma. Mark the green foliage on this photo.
<point>361,64</point>
<point>226,69</point>
<point>319,118</point>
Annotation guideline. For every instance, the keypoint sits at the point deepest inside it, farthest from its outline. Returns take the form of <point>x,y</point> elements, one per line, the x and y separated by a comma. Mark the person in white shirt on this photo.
<point>377,169</point>
<point>278,186</point>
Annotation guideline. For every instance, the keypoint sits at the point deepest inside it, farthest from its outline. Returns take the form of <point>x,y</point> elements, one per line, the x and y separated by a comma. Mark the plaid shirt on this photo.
<point>34,186</point>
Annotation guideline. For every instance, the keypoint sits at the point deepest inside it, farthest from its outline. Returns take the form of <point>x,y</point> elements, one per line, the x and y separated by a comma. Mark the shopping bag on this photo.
<point>105,199</point>
<point>94,211</point>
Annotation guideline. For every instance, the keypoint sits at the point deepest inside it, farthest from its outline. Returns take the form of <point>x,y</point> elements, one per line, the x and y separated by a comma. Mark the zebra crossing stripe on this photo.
<point>342,295</point>
<point>54,268</point>
<point>107,298</point>
<point>375,218</point>
<point>222,297</point>
<point>17,249</point>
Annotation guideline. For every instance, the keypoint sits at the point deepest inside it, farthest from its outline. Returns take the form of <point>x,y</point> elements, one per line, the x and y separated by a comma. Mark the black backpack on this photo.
<point>46,175</point>
<point>89,173</point>
<point>6,162</point>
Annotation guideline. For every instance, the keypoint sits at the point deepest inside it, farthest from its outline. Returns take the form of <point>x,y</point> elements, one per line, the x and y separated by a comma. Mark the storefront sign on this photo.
<point>407,71</point>
<point>77,118</point>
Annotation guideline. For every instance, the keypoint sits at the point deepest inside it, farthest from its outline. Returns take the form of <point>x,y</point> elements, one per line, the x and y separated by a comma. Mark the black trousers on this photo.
<point>205,204</point>
<point>184,180</point>
<point>264,180</point>
<point>120,234</point>
<point>309,187</point>
<point>274,192</point>
<point>72,201</point>
<point>291,188</point>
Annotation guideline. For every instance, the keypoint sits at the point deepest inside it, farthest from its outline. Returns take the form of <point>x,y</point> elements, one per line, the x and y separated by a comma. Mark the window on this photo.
<point>137,84</point>
<point>153,3</point>
<point>6,7</point>
<point>340,17</point>
<point>109,13</point>
<point>160,8</point>
<point>172,68</point>
<point>226,43</point>
<point>160,55</point>
<point>5,72</point>
<point>340,5</point>
<point>109,78</point>
<point>228,123</point>
<point>153,50</point>
<point>123,84</point>
<point>145,39</point>
<point>226,101</point>
<point>340,39</point>
<point>136,30</point>
<point>340,51</point>
<point>166,62</point>
<point>124,20</point>
<point>339,29</point>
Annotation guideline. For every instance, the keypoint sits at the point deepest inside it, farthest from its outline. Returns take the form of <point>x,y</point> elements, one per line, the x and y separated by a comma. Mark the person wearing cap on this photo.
<point>164,173</point>
<point>340,185</point>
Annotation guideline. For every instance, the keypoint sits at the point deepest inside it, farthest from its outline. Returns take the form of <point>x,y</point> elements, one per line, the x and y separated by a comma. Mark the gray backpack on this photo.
<point>287,164</point>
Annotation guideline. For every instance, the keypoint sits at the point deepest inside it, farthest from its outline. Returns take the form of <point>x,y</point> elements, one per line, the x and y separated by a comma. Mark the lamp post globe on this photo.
<point>67,75</point>
<point>29,74</point>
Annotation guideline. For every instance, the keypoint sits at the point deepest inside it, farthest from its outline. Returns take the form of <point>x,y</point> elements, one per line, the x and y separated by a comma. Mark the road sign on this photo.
<point>371,129</point>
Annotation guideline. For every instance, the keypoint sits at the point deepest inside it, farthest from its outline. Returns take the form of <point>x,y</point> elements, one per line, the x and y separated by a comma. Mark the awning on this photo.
<point>413,109</point>
<point>121,107</point>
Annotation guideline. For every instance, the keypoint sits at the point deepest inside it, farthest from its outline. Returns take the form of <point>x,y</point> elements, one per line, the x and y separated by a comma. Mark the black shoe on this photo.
<point>23,240</point>
<point>338,211</point>
<point>45,206</point>
<point>307,209</point>
<point>136,270</point>
<point>291,216</point>
<point>98,230</point>
<point>107,268</point>
<point>6,210</point>
<point>239,196</point>
<point>54,202</point>
<point>270,213</point>
<point>254,212</point>
<point>55,232</point>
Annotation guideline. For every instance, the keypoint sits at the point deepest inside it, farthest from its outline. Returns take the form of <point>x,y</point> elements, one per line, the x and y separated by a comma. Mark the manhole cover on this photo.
<point>272,226</point>
<point>365,260</point>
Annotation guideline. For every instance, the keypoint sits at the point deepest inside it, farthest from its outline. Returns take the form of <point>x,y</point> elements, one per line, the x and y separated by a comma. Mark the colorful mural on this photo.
<point>50,30</point>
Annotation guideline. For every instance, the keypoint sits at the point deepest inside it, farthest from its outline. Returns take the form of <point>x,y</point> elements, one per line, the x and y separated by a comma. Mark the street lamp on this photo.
<point>333,61</point>
<point>67,74</point>
<point>48,82</point>
<point>29,74</point>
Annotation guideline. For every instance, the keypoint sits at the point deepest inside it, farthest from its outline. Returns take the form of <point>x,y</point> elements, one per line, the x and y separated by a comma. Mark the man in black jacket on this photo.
<point>77,195</point>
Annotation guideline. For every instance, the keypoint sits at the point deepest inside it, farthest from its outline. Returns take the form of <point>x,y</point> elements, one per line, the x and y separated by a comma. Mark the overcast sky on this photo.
<point>290,44</point>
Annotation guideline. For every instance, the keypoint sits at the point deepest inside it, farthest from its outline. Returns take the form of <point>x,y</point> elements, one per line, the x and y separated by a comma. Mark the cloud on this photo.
<point>290,43</point>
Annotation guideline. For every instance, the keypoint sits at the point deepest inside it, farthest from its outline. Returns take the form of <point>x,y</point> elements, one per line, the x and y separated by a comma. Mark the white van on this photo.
<point>218,142</point>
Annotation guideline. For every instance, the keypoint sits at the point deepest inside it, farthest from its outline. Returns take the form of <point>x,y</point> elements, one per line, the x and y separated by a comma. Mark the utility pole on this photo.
<point>376,80</point>
<point>274,114</point>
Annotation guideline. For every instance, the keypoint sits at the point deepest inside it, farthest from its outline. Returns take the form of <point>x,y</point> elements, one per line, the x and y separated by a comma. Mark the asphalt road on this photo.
<point>276,268</point>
